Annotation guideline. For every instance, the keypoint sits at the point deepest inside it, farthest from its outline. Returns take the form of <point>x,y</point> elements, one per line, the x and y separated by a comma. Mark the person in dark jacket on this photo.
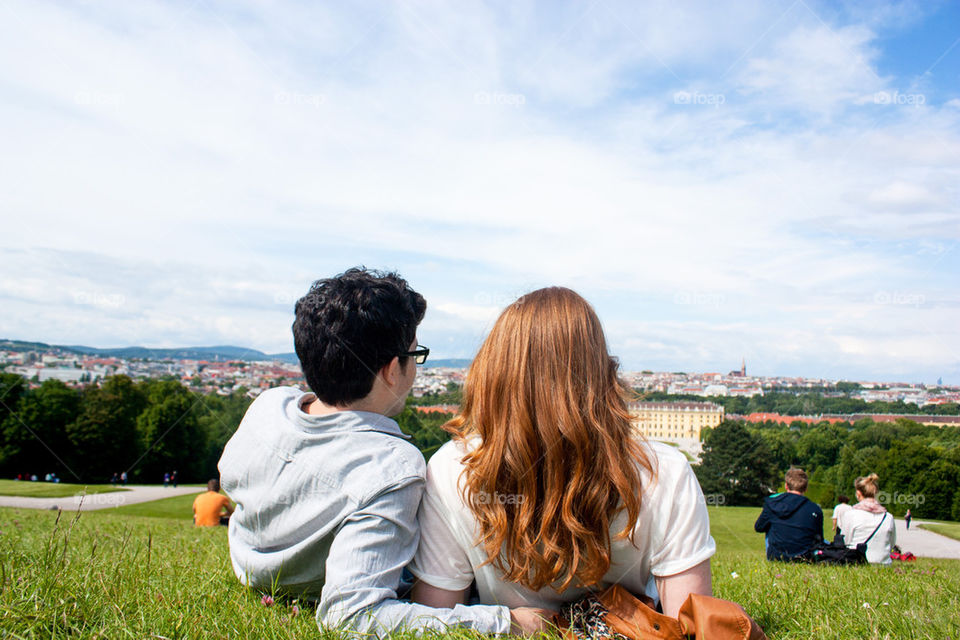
<point>793,523</point>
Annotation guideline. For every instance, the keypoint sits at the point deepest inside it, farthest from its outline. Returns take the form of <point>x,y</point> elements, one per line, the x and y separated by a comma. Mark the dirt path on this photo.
<point>926,544</point>
<point>133,495</point>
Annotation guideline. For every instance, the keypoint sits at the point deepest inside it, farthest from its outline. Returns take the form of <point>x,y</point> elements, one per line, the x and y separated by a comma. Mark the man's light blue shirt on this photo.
<point>326,507</point>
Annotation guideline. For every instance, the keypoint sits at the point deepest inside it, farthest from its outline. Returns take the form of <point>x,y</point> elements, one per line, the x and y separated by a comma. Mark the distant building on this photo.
<point>62,374</point>
<point>743,370</point>
<point>833,418</point>
<point>677,422</point>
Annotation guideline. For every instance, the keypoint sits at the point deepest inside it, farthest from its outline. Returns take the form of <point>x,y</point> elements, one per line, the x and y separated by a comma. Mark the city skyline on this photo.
<point>227,353</point>
<point>777,183</point>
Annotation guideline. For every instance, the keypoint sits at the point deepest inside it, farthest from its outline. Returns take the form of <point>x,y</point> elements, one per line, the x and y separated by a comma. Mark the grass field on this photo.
<point>177,508</point>
<point>50,489</point>
<point>111,575</point>
<point>949,529</point>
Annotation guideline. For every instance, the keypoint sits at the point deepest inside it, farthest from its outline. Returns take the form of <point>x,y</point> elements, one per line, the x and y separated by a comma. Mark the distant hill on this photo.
<point>450,363</point>
<point>222,352</point>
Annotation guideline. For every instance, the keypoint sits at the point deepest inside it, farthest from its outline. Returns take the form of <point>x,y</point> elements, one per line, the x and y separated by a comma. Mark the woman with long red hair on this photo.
<point>547,491</point>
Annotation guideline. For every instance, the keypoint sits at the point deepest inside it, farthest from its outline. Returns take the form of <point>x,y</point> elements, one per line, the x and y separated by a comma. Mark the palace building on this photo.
<point>677,422</point>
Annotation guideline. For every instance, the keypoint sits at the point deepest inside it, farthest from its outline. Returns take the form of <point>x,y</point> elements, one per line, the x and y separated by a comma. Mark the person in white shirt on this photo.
<point>547,492</point>
<point>869,522</point>
<point>843,503</point>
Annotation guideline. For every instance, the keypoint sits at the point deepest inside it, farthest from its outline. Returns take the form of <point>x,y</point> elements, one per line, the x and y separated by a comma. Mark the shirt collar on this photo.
<point>345,421</point>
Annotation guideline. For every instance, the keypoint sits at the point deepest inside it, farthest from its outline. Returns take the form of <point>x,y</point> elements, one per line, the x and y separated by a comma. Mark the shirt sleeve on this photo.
<point>763,521</point>
<point>440,560</point>
<point>363,570</point>
<point>684,528</point>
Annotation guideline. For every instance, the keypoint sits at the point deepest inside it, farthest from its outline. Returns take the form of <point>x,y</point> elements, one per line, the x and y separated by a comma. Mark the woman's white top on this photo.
<point>672,534</point>
<point>857,525</point>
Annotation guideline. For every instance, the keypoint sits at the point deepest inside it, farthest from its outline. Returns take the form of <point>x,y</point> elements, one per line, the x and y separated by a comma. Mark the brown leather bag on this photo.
<point>616,614</point>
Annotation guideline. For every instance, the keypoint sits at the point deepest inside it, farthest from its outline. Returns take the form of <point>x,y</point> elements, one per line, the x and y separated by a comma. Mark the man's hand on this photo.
<point>530,620</point>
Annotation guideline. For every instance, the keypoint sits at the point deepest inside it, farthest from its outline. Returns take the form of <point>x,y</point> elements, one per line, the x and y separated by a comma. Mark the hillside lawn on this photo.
<point>142,571</point>
<point>51,489</point>
<point>177,508</point>
<point>949,529</point>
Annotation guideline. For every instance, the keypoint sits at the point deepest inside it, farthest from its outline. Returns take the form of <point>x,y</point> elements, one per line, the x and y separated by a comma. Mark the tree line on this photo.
<point>146,428</point>
<point>918,465</point>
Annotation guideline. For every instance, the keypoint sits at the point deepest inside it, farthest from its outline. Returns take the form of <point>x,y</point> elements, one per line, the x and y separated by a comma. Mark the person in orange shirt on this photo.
<point>208,507</point>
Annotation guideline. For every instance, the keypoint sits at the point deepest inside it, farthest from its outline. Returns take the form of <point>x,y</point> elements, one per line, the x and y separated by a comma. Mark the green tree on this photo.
<point>736,464</point>
<point>934,491</point>
<point>34,438</point>
<point>782,446</point>
<point>424,428</point>
<point>820,446</point>
<point>12,388</point>
<point>170,433</point>
<point>104,436</point>
<point>220,419</point>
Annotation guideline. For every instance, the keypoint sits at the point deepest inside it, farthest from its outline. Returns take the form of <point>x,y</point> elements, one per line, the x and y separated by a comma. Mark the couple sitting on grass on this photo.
<point>544,494</point>
<point>793,523</point>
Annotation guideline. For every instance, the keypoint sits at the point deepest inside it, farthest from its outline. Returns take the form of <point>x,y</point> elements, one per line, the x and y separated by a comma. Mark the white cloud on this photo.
<point>819,68</point>
<point>207,164</point>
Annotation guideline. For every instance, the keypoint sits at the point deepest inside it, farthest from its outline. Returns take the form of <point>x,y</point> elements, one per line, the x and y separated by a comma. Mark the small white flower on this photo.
<point>734,575</point>
<point>866,605</point>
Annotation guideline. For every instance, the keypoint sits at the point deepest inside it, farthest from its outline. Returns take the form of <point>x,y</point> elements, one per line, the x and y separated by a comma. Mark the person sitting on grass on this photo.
<point>326,484</point>
<point>793,523</point>
<point>868,522</point>
<point>211,508</point>
<point>546,492</point>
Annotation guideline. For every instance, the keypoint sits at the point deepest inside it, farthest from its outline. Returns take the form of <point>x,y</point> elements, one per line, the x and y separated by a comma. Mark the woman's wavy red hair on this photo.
<point>558,457</point>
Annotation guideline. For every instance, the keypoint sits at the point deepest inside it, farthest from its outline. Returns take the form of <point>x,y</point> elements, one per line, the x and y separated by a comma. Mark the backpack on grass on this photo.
<point>838,553</point>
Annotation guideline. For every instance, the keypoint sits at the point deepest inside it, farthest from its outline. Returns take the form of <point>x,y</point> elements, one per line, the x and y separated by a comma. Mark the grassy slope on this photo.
<point>951,530</point>
<point>177,508</point>
<point>51,490</point>
<point>105,575</point>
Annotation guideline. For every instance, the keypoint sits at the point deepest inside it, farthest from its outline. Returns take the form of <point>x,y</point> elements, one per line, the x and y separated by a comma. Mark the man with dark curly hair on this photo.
<point>326,485</point>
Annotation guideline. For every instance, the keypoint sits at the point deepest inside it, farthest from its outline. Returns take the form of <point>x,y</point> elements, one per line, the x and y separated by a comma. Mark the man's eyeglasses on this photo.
<point>419,355</point>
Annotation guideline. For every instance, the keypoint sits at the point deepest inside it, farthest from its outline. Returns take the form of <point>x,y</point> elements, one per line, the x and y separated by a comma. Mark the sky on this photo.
<point>772,180</point>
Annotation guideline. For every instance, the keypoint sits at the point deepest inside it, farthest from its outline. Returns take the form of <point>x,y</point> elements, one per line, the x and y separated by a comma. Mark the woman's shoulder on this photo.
<point>669,463</point>
<point>446,465</point>
<point>449,454</point>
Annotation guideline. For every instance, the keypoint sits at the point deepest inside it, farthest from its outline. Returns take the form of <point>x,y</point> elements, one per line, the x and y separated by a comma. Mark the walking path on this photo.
<point>135,493</point>
<point>925,544</point>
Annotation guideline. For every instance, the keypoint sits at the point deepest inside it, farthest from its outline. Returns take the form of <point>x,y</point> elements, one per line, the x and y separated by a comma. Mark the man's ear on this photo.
<point>391,372</point>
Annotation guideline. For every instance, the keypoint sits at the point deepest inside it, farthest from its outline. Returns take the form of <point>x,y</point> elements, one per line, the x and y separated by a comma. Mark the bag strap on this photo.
<point>877,529</point>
